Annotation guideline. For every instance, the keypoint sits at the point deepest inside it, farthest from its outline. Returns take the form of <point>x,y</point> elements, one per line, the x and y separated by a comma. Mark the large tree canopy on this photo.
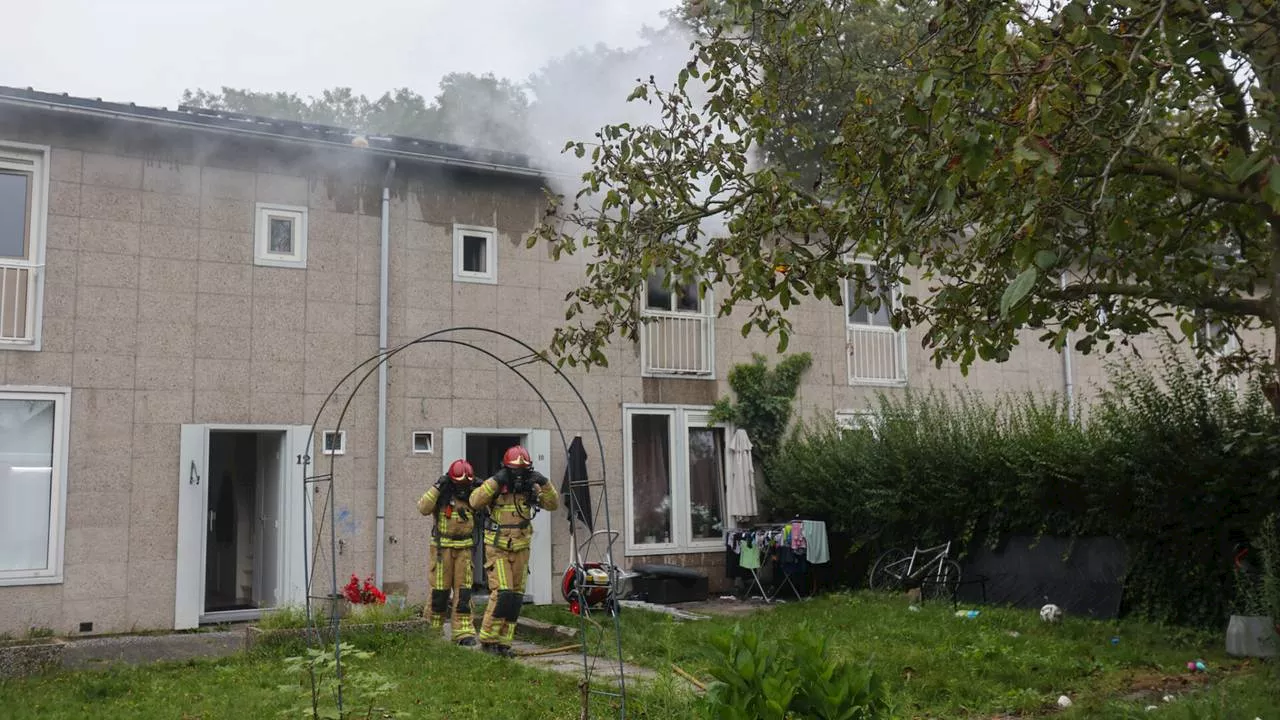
<point>1075,167</point>
<point>476,110</point>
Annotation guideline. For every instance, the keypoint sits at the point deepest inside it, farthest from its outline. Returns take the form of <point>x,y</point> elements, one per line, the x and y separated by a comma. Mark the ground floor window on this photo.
<point>675,479</point>
<point>32,484</point>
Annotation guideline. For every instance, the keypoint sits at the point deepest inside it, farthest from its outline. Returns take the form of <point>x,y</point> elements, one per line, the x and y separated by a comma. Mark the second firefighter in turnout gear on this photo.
<point>513,495</point>
<point>452,542</point>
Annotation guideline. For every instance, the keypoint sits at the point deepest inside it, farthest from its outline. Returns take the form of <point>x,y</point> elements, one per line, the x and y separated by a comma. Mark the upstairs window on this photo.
<point>877,354</point>
<point>280,236</point>
<point>862,314</point>
<point>682,297</point>
<point>23,193</point>
<point>475,254</point>
<point>677,335</point>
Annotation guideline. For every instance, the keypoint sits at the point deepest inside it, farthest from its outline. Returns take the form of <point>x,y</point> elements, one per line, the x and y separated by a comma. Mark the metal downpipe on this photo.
<point>383,305</point>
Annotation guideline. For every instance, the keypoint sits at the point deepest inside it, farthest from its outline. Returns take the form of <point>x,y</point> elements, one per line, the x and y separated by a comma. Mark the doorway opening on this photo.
<point>484,451</point>
<point>244,543</point>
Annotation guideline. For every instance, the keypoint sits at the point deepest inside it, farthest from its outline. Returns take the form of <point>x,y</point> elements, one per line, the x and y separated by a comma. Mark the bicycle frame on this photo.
<point>940,554</point>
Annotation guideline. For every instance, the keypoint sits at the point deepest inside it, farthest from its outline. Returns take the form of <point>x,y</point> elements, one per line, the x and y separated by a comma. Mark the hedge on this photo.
<point>1178,463</point>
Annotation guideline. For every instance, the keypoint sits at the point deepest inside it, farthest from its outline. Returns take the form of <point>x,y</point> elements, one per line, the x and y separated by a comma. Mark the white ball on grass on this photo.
<point>1051,613</point>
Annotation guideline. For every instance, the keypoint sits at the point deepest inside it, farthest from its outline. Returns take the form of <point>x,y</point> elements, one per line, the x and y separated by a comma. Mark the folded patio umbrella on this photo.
<point>742,477</point>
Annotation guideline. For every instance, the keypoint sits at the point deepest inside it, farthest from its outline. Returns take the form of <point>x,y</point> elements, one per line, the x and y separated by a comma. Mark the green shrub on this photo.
<point>1177,464</point>
<point>759,679</point>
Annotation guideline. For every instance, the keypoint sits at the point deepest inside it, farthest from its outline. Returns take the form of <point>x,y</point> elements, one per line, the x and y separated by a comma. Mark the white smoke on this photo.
<point>576,95</point>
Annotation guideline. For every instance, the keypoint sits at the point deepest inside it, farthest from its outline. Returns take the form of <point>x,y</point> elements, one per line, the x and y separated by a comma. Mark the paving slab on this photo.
<point>97,652</point>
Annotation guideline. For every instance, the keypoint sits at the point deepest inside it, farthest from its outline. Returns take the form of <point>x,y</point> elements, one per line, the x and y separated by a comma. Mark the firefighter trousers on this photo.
<point>507,571</point>
<point>451,579</point>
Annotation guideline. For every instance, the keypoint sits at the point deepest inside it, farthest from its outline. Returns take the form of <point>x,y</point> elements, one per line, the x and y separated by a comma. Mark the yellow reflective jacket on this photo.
<point>455,521</point>
<point>510,524</point>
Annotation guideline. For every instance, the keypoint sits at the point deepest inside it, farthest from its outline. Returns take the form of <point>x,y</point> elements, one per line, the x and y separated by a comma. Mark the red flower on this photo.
<point>368,594</point>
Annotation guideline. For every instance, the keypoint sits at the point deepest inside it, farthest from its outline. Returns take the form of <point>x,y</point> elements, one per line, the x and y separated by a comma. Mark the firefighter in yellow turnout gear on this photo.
<point>451,575</point>
<point>512,495</point>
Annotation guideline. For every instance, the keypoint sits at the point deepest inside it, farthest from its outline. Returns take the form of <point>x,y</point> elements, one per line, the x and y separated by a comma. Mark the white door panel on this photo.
<point>189,585</point>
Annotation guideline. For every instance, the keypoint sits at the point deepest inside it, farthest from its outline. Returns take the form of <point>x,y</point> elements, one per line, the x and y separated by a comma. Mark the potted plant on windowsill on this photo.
<point>362,596</point>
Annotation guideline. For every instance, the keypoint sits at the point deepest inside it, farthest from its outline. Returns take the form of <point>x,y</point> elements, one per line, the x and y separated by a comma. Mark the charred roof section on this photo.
<point>238,124</point>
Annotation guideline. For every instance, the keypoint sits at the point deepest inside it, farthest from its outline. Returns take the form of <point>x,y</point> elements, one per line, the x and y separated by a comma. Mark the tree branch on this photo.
<point>1194,183</point>
<point>1227,305</point>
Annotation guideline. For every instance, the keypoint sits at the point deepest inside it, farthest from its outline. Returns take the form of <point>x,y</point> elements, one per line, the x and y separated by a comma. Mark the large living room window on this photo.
<point>678,331</point>
<point>33,433</point>
<point>674,472</point>
<point>23,193</point>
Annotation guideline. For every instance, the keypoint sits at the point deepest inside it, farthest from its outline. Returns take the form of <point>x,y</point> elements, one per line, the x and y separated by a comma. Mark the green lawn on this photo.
<point>942,666</point>
<point>433,680</point>
<point>938,665</point>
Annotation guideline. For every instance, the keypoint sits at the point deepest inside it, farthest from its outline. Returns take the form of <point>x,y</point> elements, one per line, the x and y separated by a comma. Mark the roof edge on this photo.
<point>33,99</point>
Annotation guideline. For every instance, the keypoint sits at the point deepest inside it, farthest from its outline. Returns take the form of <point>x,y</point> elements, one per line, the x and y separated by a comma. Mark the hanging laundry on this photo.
<point>815,536</point>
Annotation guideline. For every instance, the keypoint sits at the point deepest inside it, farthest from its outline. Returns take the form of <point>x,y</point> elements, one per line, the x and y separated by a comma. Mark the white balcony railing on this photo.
<point>677,343</point>
<point>877,355</point>
<point>17,303</point>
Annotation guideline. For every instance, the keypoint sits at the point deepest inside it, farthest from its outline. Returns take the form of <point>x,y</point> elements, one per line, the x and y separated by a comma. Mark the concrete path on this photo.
<point>98,652</point>
<point>569,662</point>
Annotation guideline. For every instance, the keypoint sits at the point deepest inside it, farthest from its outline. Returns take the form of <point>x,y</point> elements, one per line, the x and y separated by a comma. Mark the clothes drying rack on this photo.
<point>757,583</point>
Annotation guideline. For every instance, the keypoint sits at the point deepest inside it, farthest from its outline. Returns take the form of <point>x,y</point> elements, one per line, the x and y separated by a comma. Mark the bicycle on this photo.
<point>896,569</point>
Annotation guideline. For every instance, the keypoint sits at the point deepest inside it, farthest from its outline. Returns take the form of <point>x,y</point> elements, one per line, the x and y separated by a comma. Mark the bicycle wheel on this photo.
<point>885,578</point>
<point>942,582</point>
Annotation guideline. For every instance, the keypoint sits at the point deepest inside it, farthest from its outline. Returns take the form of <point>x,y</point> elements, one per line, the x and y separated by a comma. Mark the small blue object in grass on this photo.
<point>1115,641</point>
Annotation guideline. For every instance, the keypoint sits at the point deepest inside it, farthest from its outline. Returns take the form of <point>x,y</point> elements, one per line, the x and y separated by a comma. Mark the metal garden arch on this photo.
<point>589,628</point>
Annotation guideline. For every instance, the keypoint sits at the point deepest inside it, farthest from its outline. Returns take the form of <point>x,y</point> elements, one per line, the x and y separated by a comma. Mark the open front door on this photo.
<point>189,586</point>
<point>540,569</point>
<point>538,443</point>
<point>297,512</point>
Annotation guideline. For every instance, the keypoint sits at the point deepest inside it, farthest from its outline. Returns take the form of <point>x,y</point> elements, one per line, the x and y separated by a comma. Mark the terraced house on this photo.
<point>180,290</point>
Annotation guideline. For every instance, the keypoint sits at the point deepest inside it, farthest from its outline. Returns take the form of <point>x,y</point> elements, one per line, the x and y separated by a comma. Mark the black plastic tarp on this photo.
<point>576,488</point>
<point>1084,577</point>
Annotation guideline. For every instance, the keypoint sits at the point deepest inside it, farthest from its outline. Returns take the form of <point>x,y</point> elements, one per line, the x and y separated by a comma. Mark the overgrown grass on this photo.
<point>1003,661</point>
<point>433,679</point>
<point>937,665</point>
<point>292,617</point>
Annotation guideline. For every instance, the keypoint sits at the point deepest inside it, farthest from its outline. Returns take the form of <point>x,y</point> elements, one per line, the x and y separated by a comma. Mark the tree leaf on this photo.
<point>1017,290</point>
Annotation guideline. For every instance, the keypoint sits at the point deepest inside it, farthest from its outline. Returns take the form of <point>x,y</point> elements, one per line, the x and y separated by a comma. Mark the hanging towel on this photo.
<point>742,477</point>
<point>815,538</point>
<point>750,557</point>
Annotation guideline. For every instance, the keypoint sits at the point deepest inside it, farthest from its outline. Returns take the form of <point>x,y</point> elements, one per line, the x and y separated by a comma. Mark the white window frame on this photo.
<point>858,420</point>
<point>25,157</point>
<point>262,254</point>
<point>895,303</point>
<point>490,234</point>
<point>680,419</point>
<point>1202,339</point>
<point>340,449</point>
<point>61,397</point>
<point>706,301</point>
<point>431,442</point>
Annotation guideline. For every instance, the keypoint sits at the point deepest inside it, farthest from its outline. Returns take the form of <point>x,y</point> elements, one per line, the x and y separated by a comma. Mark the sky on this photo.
<point>149,51</point>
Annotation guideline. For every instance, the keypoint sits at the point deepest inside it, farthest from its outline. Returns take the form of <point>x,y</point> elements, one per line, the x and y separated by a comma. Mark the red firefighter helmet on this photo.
<point>460,472</point>
<point>516,458</point>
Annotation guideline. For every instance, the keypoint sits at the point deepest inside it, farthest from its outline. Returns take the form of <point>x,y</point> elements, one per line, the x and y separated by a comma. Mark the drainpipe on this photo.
<point>383,303</point>
<point>1068,381</point>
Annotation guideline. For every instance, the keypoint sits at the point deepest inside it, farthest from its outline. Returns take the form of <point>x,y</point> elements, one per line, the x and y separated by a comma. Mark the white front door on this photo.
<point>538,443</point>
<point>288,583</point>
<point>540,568</point>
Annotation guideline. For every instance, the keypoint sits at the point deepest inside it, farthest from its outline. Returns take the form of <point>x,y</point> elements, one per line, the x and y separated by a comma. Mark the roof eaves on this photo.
<point>252,126</point>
